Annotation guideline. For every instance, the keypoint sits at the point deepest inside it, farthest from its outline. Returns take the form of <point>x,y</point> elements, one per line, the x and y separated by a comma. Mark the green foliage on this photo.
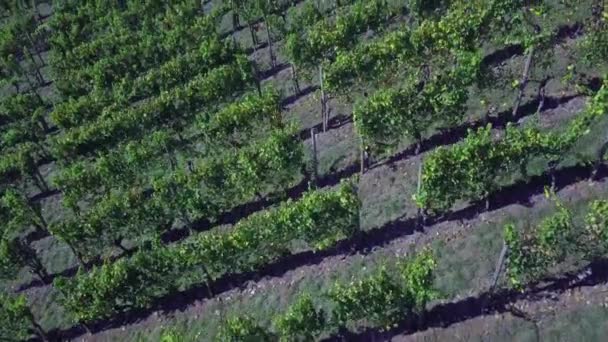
<point>369,61</point>
<point>74,235</point>
<point>21,213</point>
<point>466,170</point>
<point>418,276</point>
<point>319,219</point>
<point>523,259</point>
<point>73,24</point>
<point>377,299</point>
<point>20,163</point>
<point>124,284</point>
<point>301,322</point>
<point>18,107</point>
<point>596,227</point>
<point>16,254</point>
<point>241,122</point>
<point>15,318</point>
<point>177,106</point>
<point>594,46</point>
<point>242,329</point>
<point>303,17</point>
<point>101,62</point>
<point>214,184</point>
<point>211,53</point>
<point>459,29</point>
<point>471,169</point>
<point>226,180</point>
<point>533,251</point>
<point>469,25</point>
<point>555,235</point>
<point>10,260</point>
<point>18,36</point>
<point>425,8</point>
<point>596,108</point>
<point>390,114</point>
<point>122,214</point>
<point>171,336</point>
<point>85,180</point>
<point>320,39</point>
<point>383,300</point>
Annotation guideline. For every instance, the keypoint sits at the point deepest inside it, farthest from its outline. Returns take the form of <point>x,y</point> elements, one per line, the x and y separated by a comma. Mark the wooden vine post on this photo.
<point>526,74</point>
<point>36,51</point>
<point>363,154</point>
<point>419,213</point>
<point>313,135</point>
<point>236,22</point>
<point>273,59</point>
<point>256,75</point>
<point>323,98</point>
<point>497,272</point>
<point>552,168</point>
<point>254,37</point>
<point>599,161</point>
<point>39,331</point>
<point>523,82</point>
<point>500,264</point>
<point>294,77</point>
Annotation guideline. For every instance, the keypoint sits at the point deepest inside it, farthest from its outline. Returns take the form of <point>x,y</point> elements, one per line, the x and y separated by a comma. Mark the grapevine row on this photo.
<point>20,59</point>
<point>534,251</point>
<point>22,161</point>
<point>24,109</point>
<point>319,219</point>
<point>471,170</point>
<point>323,36</point>
<point>209,54</point>
<point>449,45</point>
<point>22,112</point>
<point>234,125</point>
<point>18,32</point>
<point>319,41</point>
<point>468,23</point>
<point>171,108</point>
<point>368,61</point>
<point>211,186</point>
<point>22,133</point>
<point>382,299</point>
<point>279,18</point>
<point>463,28</point>
<point>80,29</point>
<point>149,51</point>
<point>420,104</point>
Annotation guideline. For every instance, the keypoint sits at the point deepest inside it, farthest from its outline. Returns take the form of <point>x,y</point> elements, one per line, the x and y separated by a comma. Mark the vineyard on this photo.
<point>303,170</point>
